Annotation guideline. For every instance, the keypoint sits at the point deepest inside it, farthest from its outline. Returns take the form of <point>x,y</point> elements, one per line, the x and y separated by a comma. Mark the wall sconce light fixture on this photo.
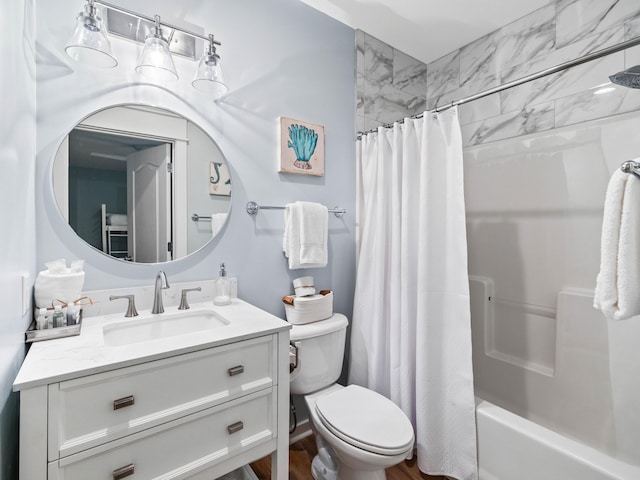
<point>209,77</point>
<point>156,60</point>
<point>90,44</point>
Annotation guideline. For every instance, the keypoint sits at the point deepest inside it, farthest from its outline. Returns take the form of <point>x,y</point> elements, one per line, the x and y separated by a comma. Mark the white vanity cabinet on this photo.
<point>195,415</point>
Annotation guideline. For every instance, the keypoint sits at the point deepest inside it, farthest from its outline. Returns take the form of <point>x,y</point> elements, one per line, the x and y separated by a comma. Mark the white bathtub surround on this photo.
<point>534,213</point>
<point>625,371</point>
<point>411,338</point>
<point>618,283</point>
<point>511,447</point>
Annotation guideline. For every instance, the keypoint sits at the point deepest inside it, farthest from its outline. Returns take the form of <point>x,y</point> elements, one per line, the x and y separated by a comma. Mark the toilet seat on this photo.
<point>365,419</point>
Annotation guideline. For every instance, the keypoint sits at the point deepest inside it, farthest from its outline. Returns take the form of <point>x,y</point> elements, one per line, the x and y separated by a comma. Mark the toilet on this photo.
<point>359,433</point>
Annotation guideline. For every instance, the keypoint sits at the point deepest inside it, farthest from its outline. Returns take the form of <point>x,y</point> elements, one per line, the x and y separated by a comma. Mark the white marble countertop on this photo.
<point>61,359</point>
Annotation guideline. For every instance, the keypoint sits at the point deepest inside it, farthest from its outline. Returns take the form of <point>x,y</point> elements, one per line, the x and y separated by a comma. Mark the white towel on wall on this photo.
<point>217,221</point>
<point>305,241</point>
<point>618,284</point>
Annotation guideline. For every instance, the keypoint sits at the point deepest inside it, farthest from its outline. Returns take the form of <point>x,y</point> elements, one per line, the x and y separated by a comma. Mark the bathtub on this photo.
<point>513,448</point>
<point>561,381</point>
<point>558,389</point>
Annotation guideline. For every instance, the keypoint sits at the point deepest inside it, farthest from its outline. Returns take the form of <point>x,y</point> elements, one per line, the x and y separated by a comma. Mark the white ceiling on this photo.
<point>426,29</point>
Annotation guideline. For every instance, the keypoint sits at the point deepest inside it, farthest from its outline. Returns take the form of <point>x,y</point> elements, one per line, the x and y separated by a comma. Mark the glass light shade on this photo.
<point>89,43</point>
<point>156,61</point>
<point>209,77</point>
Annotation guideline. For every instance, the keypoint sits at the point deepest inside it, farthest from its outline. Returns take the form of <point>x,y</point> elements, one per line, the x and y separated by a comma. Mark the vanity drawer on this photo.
<point>180,448</point>
<point>92,410</point>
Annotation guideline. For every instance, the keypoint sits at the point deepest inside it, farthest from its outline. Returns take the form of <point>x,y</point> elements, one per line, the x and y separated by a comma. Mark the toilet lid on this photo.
<point>366,419</point>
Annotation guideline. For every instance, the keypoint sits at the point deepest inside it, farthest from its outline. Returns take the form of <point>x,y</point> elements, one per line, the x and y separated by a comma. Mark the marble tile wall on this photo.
<point>556,33</point>
<point>390,84</point>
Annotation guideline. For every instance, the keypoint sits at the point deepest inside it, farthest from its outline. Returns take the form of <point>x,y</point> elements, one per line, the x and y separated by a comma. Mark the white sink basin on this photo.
<point>161,326</point>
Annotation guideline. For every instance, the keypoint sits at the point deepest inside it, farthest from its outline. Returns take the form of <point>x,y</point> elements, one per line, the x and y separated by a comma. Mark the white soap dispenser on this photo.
<point>73,313</point>
<point>41,321</point>
<point>222,294</point>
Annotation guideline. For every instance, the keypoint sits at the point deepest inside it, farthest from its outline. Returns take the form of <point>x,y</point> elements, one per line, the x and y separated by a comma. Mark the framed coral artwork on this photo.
<point>301,147</point>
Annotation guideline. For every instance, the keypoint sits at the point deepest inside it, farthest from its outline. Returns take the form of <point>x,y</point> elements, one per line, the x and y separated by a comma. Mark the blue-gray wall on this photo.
<point>281,58</point>
<point>17,242</point>
<point>201,153</point>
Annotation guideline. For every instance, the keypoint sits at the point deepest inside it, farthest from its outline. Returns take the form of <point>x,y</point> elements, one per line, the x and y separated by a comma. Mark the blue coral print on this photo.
<point>303,141</point>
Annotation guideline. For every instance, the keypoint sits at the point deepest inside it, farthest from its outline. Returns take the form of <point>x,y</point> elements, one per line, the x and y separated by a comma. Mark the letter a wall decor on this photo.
<point>301,147</point>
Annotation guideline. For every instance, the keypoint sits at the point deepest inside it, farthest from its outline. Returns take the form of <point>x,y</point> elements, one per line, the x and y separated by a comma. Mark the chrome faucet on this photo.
<point>161,284</point>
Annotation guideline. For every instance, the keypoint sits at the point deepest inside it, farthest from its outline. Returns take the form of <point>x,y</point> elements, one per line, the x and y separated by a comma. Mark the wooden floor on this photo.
<point>302,452</point>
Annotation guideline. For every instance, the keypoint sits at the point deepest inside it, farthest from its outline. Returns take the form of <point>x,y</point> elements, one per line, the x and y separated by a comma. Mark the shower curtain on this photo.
<point>411,332</point>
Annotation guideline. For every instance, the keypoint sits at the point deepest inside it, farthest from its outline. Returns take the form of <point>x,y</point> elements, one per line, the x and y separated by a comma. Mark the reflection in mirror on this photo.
<point>128,180</point>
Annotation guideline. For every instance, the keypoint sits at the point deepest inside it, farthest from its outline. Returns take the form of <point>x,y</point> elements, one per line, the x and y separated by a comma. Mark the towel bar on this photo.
<point>200,218</point>
<point>253,208</point>
<point>630,167</point>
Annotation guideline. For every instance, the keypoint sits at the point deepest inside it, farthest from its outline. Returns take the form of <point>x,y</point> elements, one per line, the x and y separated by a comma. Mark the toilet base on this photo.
<point>346,473</point>
<point>326,466</point>
<point>323,466</point>
<point>321,471</point>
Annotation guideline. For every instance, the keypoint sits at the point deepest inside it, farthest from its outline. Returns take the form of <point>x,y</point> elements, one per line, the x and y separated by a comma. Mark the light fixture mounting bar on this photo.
<point>152,20</point>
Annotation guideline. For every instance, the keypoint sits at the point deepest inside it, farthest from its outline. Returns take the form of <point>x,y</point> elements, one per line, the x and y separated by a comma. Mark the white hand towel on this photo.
<point>618,284</point>
<point>217,221</point>
<point>305,238</point>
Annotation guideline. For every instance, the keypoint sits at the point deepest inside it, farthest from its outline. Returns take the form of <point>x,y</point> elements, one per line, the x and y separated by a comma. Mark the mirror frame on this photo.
<point>175,190</point>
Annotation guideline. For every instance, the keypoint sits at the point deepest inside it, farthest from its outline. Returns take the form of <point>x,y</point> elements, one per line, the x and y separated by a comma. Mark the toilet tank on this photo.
<point>320,352</point>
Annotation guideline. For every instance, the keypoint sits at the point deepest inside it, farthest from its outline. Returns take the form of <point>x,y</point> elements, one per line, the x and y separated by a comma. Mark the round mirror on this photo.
<point>142,184</point>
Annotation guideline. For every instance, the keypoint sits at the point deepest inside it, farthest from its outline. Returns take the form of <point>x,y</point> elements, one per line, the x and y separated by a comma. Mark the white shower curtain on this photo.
<point>411,332</point>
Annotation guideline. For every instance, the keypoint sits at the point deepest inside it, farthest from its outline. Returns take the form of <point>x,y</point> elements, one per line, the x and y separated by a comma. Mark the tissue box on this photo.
<point>58,284</point>
<point>301,310</point>
<point>303,286</point>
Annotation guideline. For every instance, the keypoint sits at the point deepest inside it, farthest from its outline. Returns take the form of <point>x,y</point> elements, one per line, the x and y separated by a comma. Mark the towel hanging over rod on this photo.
<point>630,166</point>
<point>253,208</point>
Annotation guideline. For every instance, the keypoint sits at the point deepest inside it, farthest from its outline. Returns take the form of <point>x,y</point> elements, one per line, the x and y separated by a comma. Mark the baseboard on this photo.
<point>303,430</point>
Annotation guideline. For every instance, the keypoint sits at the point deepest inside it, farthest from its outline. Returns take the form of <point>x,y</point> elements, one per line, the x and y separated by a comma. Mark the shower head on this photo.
<point>627,78</point>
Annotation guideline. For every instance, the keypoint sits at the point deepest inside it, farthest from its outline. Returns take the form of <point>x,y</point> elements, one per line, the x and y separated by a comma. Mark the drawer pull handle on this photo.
<point>123,402</point>
<point>123,472</point>
<point>236,370</point>
<point>235,427</point>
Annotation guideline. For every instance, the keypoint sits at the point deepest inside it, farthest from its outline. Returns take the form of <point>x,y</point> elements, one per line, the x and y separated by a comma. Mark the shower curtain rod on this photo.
<point>519,81</point>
